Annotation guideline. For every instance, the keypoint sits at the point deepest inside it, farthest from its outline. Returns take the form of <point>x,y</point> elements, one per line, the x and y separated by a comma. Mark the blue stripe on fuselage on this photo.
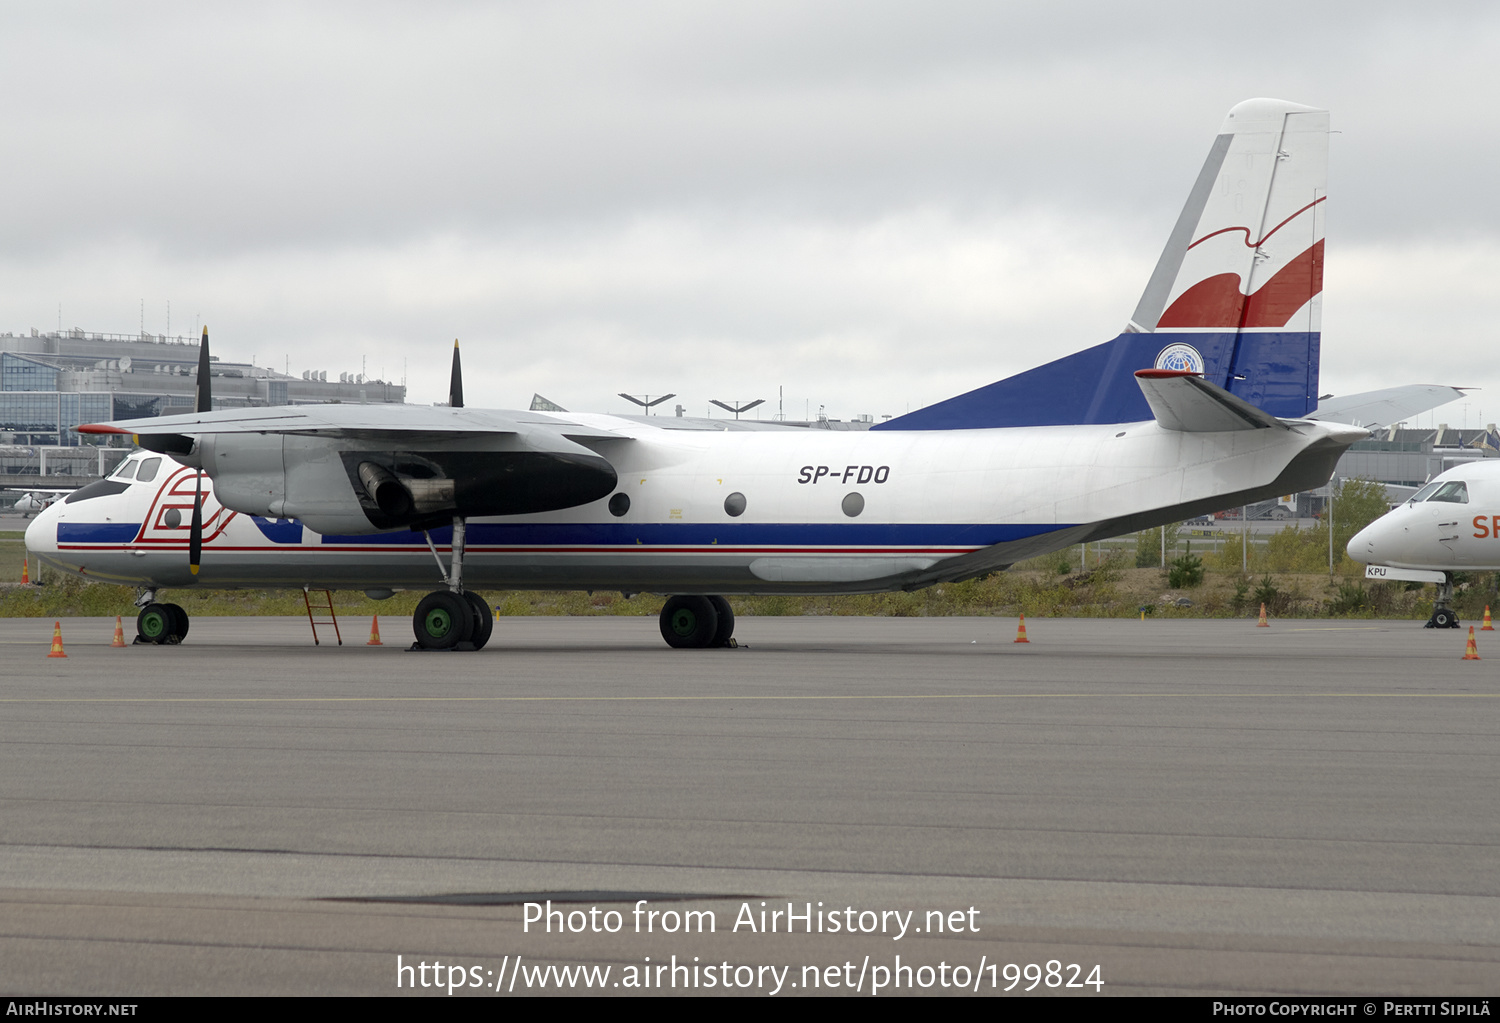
<point>97,532</point>
<point>746,534</point>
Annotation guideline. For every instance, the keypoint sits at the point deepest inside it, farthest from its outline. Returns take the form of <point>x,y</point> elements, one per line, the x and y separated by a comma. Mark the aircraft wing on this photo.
<point>1182,400</point>
<point>355,420</point>
<point>1375,409</point>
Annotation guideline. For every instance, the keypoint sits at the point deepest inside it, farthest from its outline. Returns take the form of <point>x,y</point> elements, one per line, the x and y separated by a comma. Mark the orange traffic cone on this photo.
<point>26,572</point>
<point>1471,652</point>
<point>1021,632</point>
<point>1486,627</point>
<point>119,639</point>
<point>1263,624</point>
<point>57,639</point>
<point>375,632</point>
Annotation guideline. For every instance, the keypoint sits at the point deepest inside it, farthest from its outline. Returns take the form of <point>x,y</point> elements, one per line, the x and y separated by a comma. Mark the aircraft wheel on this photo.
<point>689,622</point>
<point>484,619</point>
<point>1444,618</point>
<point>726,621</point>
<point>442,620</point>
<point>156,624</point>
<point>180,618</point>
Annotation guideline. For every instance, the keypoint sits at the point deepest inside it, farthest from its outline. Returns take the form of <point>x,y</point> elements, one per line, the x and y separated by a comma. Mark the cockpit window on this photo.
<point>1454,493</point>
<point>147,472</point>
<point>125,470</point>
<point>1424,493</point>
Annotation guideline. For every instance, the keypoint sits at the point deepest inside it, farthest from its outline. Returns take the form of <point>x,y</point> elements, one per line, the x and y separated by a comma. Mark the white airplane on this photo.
<point>35,500</point>
<point>1451,525</point>
<point>1207,400</point>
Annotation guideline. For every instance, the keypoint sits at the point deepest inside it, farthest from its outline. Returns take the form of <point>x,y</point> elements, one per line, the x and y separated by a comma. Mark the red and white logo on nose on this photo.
<point>170,517</point>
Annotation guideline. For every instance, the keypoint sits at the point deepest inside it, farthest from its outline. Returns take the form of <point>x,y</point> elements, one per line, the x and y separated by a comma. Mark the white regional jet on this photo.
<point>1451,525</point>
<point>1207,400</point>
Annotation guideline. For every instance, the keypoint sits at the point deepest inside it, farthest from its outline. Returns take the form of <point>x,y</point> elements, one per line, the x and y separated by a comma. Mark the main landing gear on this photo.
<point>159,624</point>
<point>455,618</point>
<point>1443,615</point>
<point>692,621</point>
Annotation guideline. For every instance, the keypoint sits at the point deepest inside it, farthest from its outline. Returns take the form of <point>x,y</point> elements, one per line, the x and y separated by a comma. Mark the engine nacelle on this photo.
<point>344,485</point>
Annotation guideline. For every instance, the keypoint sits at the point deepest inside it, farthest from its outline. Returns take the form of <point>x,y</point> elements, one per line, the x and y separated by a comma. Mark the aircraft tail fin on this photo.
<point>1236,295</point>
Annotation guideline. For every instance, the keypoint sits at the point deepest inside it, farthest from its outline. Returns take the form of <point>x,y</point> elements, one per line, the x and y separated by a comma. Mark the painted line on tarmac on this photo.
<point>665,699</point>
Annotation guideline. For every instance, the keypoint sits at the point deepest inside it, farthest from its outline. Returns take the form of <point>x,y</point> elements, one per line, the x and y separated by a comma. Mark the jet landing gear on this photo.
<point>159,624</point>
<point>692,621</point>
<point>452,619</point>
<point>1443,615</point>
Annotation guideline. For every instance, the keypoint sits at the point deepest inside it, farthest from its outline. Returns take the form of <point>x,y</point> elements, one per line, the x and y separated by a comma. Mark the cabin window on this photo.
<point>1453,493</point>
<point>147,472</point>
<point>734,505</point>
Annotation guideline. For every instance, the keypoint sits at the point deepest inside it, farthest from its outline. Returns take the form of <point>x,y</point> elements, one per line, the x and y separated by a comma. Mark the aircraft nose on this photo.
<point>41,535</point>
<point>1367,545</point>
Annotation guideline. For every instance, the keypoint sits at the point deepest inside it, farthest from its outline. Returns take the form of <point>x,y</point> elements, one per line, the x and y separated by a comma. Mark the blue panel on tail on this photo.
<point>1277,372</point>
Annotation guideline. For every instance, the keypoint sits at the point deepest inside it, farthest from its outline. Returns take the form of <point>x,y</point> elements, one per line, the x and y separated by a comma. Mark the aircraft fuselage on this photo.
<point>714,511</point>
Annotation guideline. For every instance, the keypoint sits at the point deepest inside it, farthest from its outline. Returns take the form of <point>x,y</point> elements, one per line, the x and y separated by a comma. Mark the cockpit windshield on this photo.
<point>1452,492</point>
<point>125,470</point>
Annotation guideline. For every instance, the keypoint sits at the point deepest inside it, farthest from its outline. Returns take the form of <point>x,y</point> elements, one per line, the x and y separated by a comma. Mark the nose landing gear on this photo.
<point>1443,615</point>
<point>159,624</point>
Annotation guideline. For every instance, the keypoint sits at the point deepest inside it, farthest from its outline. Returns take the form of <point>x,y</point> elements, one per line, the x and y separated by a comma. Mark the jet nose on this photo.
<point>1367,545</point>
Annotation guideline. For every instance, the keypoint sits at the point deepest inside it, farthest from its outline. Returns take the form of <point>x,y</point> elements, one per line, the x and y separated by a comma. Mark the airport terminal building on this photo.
<point>52,382</point>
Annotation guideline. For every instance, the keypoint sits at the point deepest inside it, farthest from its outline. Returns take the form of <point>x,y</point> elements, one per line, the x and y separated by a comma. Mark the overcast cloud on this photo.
<point>876,205</point>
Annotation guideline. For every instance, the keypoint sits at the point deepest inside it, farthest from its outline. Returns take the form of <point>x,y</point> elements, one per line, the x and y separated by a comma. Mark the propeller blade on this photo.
<point>195,535</point>
<point>456,384</point>
<point>205,402</point>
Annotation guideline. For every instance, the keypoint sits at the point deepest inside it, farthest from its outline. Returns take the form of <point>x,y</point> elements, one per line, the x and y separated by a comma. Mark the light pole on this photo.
<point>644,401</point>
<point>736,409</point>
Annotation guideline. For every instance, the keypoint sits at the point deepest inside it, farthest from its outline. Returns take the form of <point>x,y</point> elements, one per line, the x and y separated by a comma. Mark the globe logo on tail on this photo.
<point>1180,357</point>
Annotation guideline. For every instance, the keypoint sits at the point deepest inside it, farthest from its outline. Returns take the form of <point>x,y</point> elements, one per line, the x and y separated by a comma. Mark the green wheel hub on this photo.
<point>439,622</point>
<point>684,622</point>
<point>154,625</point>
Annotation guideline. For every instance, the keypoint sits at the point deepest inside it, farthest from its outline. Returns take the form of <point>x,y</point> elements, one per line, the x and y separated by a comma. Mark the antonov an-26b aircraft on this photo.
<point>1207,400</point>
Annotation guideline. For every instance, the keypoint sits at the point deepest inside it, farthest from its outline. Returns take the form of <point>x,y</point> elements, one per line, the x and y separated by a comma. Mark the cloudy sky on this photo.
<point>872,205</point>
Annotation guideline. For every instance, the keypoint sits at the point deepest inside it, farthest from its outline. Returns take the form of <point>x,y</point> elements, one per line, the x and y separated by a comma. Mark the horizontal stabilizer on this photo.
<point>1182,400</point>
<point>1376,409</point>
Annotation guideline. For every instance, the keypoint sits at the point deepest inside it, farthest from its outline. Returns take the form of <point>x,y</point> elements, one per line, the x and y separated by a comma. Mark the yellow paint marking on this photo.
<point>1337,628</point>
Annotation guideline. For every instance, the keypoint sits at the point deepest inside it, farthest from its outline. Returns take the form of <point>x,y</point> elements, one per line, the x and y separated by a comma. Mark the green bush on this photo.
<point>1351,598</point>
<point>1186,571</point>
<point>1148,548</point>
<point>1267,593</point>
